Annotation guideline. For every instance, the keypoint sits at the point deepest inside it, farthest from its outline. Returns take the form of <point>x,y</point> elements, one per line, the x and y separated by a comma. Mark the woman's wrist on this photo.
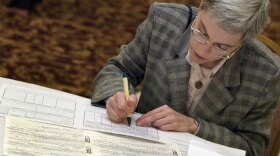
<point>197,123</point>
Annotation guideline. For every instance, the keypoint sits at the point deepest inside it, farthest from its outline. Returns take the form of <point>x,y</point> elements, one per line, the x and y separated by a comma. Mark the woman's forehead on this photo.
<point>215,32</point>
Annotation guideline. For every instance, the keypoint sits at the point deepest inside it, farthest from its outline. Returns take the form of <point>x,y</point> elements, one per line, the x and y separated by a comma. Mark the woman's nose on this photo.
<point>205,47</point>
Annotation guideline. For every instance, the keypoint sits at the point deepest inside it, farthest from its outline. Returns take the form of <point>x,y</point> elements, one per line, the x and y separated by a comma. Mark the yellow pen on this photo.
<point>126,93</point>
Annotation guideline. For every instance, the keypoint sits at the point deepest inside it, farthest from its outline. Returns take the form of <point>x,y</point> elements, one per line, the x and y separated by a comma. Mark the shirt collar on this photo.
<point>209,73</point>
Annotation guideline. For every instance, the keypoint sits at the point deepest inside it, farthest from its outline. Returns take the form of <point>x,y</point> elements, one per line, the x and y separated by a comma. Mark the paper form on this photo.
<point>96,118</point>
<point>24,137</point>
<point>42,105</point>
<point>104,145</point>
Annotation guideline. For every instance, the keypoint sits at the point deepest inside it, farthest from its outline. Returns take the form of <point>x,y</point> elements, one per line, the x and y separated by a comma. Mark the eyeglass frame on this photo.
<point>205,40</point>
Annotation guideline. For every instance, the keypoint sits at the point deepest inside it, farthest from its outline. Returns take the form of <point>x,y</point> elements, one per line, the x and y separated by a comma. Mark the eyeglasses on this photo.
<point>201,38</point>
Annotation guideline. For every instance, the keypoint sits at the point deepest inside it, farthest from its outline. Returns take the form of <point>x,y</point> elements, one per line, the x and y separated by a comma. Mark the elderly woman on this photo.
<point>202,71</point>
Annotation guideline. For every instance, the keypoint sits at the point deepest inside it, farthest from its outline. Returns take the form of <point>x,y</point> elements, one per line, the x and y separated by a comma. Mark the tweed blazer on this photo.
<point>236,109</point>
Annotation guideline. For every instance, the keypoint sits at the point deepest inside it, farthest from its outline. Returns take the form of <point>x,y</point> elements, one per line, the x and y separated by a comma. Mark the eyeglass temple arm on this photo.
<point>200,5</point>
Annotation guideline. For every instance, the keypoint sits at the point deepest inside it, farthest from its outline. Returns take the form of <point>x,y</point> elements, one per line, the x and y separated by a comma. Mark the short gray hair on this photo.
<point>246,16</point>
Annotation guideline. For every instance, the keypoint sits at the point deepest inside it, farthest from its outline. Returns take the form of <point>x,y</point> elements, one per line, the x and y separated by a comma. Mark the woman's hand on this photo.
<point>118,108</point>
<point>165,118</point>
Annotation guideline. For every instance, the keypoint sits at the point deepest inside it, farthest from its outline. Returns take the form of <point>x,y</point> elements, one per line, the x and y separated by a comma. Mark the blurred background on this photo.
<point>62,44</point>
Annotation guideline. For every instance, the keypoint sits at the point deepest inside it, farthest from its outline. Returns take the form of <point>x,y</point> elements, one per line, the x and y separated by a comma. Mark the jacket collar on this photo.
<point>216,96</point>
<point>178,75</point>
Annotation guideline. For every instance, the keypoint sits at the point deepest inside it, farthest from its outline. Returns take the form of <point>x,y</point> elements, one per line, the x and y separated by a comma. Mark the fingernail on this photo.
<point>137,124</point>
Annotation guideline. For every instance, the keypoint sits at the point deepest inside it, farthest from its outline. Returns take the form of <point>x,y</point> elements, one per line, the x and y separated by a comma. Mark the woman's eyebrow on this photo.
<point>220,44</point>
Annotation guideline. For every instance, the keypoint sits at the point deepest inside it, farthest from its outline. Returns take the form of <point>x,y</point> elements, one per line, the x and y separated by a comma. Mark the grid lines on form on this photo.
<point>38,105</point>
<point>100,121</point>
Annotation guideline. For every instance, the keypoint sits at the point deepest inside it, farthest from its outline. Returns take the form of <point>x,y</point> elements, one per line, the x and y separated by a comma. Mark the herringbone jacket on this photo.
<point>236,110</point>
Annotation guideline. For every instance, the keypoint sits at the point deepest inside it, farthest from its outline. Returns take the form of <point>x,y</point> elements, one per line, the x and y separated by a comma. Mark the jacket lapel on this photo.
<point>178,73</point>
<point>178,76</point>
<point>217,96</point>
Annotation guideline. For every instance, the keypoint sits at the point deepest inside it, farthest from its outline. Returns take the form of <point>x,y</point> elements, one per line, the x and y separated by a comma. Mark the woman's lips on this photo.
<point>198,56</point>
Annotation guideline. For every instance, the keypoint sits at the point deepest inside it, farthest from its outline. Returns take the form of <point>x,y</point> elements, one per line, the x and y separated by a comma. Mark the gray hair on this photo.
<point>246,16</point>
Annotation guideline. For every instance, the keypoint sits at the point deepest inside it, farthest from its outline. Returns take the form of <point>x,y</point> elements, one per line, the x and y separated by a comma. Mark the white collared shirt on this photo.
<point>203,75</point>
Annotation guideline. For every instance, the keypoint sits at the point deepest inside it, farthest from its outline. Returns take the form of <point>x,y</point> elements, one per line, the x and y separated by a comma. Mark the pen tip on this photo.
<point>124,74</point>
<point>128,120</point>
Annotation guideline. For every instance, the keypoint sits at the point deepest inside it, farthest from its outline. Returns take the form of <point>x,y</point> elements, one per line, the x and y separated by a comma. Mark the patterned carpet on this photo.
<point>65,43</point>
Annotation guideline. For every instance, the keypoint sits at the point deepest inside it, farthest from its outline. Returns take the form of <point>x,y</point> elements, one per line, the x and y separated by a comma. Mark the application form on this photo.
<point>25,137</point>
<point>51,107</point>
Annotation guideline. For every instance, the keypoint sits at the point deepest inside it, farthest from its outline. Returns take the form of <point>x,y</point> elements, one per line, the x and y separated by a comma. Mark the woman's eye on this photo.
<point>203,32</point>
<point>223,47</point>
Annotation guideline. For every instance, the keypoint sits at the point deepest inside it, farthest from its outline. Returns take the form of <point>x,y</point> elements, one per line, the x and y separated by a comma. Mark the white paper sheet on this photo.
<point>24,137</point>
<point>199,148</point>
<point>95,118</point>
